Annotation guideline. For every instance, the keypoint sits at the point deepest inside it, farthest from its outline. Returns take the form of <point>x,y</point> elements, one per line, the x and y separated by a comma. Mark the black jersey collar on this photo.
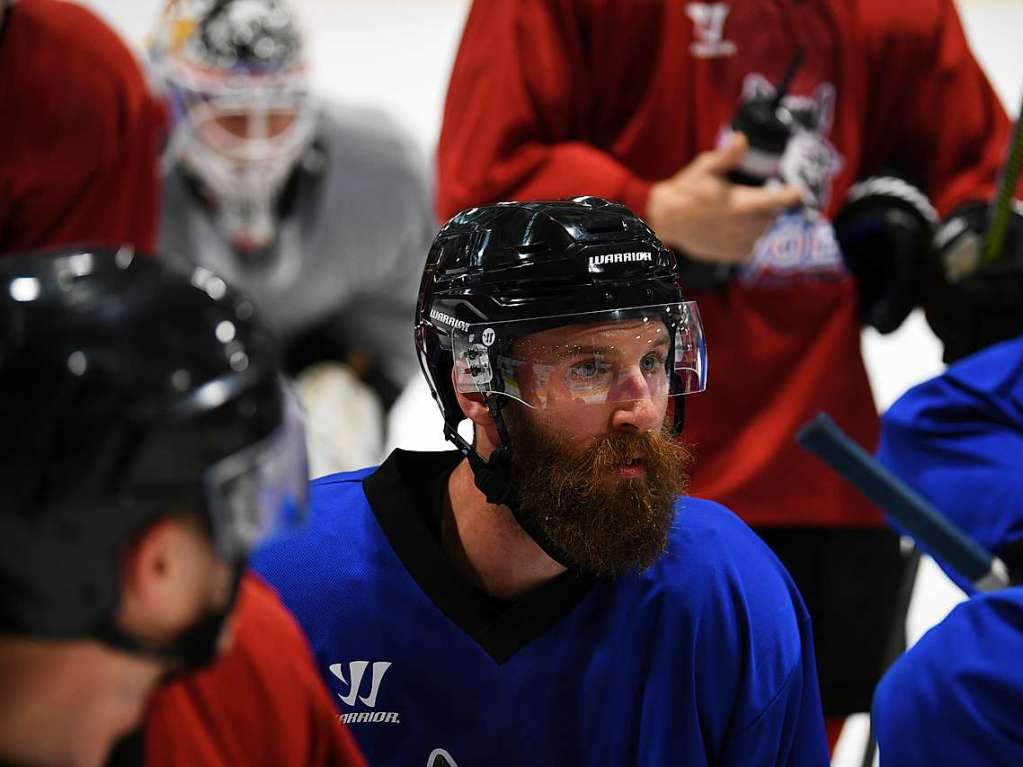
<point>404,494</point>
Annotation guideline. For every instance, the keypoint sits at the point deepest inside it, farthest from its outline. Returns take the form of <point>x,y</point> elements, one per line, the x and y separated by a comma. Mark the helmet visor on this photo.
<point>260,491</point>
<point>593,358</point>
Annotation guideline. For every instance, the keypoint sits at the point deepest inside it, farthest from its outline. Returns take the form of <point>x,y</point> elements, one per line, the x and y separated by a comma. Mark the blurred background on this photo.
<point>396,55</point>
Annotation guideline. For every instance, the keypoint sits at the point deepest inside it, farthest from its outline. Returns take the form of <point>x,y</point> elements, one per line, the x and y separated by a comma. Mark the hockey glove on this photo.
<point>884,229</point>
<point>969,304</point>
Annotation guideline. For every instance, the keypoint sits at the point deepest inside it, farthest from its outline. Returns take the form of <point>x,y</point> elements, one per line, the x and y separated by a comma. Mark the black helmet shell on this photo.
<point>121,381</point>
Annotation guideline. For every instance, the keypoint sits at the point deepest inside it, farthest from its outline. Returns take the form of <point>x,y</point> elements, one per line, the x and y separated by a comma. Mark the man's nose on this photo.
<point>634,406</point>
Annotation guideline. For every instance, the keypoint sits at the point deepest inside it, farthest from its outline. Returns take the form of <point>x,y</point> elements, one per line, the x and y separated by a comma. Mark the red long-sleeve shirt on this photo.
<point>557,98</point>
<point>80,133</point>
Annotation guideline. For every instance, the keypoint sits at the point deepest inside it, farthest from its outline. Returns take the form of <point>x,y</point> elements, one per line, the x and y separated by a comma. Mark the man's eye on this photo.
<point>586,372</point>
<point>651,363</point>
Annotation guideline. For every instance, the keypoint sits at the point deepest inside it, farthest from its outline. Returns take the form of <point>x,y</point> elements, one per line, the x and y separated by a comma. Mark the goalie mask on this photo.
<point>236,84</point>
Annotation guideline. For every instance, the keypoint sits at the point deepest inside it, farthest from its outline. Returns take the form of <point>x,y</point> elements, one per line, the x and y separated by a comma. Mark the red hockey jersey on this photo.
<point>261,704</point>
<point>557,98</point>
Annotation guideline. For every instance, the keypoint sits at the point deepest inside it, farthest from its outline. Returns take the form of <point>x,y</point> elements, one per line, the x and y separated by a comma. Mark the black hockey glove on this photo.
<point>969,304</point>
<point>884,229</point>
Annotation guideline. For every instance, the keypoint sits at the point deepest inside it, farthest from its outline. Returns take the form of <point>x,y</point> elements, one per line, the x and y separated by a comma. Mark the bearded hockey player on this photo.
<point>664,105</point>
<point>547,594</point>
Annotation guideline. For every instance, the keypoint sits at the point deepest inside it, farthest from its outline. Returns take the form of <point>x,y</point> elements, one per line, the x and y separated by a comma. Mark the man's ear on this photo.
<point>161,576</point>
<point>476,410</point>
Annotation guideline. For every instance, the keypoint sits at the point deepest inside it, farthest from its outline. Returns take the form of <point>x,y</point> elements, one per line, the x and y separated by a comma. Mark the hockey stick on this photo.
<point>932,530</point>
<point>998,213</point>
<point>896,644</point>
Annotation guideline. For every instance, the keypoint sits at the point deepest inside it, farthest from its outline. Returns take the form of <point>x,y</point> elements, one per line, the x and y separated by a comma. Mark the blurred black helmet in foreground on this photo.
<point>129,391</point>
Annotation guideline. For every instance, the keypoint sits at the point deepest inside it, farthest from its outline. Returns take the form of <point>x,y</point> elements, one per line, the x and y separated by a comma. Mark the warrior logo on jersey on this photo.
<point>709,26</point>
<point>801,242</point>
<point>353,680</point>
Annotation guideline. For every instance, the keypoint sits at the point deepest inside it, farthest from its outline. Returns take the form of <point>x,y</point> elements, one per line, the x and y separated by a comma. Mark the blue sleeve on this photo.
<point>755,648</point>
<point>957,696</point>
<point>286,566</point>
<point>316,564</point>
<point>789,732</point>
<point>958,440</point>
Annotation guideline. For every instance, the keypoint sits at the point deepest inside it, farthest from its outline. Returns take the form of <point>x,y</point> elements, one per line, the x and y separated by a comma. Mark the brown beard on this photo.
<point>605,524</point>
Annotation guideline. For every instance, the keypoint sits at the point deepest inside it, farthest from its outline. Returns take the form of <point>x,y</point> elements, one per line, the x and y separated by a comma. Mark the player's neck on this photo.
<point>66,703</point>
<point>487,545</point>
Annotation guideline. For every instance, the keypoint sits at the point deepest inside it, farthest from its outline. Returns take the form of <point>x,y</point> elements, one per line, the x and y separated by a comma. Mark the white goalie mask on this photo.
<point>236,84</point>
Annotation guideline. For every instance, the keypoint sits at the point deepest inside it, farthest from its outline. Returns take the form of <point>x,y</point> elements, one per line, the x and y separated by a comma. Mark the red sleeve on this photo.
<point>934,115</point>
<point>261,705</point>
<point>81,155</point>
<point>515,99</point>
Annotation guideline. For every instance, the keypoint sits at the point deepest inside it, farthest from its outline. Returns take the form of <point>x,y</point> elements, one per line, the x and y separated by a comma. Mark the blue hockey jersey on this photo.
<point>958,440</point>
<point>706,658</point>
<point>956,697</point>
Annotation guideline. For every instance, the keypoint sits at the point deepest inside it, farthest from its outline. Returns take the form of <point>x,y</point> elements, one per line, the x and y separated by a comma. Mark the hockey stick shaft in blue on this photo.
<point>932,530</point>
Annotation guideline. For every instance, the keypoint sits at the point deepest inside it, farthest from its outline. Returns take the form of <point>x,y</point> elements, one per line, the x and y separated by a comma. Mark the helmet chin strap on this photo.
<point>493,479</point>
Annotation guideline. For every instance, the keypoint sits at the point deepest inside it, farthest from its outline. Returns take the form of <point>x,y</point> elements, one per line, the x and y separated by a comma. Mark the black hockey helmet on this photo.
<point>499,273</point>
<point>130,391</point>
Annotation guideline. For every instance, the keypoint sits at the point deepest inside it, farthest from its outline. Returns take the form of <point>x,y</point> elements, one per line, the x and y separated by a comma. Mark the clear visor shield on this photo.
<point>646,352</point>
<point>260,492</point>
